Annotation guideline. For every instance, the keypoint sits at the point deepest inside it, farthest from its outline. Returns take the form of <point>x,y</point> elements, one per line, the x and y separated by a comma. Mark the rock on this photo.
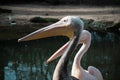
<point>24,27</point>
<point>42,20</point>
<point>100,26</point>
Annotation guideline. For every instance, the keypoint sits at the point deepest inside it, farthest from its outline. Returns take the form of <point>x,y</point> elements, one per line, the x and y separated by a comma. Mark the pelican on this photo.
<point>78,72</point>
<point>72,27</point>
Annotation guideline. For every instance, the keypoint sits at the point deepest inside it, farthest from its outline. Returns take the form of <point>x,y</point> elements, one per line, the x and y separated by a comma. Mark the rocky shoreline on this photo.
<point>22,27</point>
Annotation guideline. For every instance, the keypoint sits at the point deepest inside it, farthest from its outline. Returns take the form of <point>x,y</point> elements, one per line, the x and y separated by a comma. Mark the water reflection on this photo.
<point>26,60</point>
<point>10,73</point>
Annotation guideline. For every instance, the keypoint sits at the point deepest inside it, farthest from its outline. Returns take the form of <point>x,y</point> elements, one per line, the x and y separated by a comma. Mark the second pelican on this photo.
<point>77,70</point>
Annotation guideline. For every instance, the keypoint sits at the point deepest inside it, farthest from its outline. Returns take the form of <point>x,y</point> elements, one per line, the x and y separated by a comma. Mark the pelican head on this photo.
<point>64,27</point>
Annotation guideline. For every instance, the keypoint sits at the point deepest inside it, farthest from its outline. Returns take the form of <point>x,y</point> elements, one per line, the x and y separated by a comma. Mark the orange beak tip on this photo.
<point>46,62</point>
<point>19,40</point>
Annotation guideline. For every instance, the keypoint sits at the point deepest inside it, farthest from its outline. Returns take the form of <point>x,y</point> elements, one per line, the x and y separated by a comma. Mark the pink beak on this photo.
<point>58,53</point>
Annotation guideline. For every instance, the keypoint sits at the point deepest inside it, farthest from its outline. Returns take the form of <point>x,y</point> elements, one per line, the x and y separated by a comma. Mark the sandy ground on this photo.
<point>26,11</point>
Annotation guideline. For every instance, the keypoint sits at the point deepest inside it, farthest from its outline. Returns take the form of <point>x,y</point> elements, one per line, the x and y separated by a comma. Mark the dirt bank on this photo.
<point>27,11</point>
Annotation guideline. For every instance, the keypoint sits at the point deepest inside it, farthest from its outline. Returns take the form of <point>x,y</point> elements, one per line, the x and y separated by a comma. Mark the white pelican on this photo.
<point>71,27</point>
<point>77,71</point>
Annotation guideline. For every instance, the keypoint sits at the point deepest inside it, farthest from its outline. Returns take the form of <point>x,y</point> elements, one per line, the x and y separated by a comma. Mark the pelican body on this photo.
<point>72,27</point>
<point>78,71</point>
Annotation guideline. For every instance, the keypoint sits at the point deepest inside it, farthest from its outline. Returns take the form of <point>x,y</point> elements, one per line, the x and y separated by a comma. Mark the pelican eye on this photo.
<point>65,20</point>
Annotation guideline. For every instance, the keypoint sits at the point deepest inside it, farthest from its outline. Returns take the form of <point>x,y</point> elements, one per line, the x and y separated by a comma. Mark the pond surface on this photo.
<point>26,60</point>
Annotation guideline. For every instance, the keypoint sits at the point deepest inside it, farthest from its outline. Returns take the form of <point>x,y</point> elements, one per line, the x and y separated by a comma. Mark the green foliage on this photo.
<point>43,20</point>
<point>51,19</point>
<point>38,20</point>
<point>115,28</point>
<point>101,26</point>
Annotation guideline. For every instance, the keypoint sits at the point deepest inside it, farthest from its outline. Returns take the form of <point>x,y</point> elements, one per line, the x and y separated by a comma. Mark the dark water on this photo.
<point>26,60</point>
